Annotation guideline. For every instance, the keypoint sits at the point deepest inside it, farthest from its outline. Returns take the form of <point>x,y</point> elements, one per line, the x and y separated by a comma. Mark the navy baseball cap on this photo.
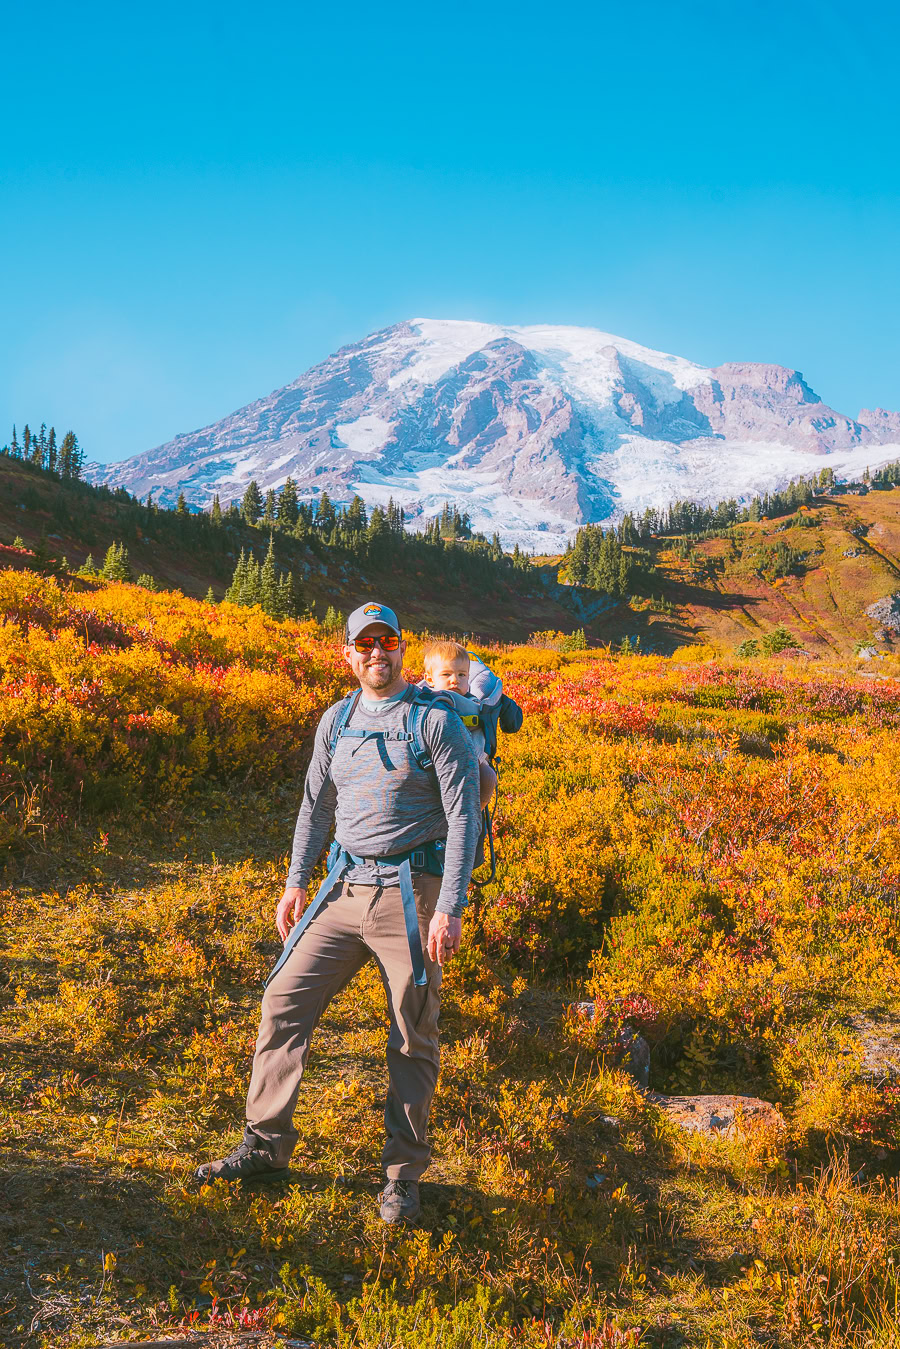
<point>371,613</point>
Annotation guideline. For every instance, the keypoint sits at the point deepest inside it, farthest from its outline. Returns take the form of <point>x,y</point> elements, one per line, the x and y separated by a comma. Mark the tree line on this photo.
<point>40,448</point>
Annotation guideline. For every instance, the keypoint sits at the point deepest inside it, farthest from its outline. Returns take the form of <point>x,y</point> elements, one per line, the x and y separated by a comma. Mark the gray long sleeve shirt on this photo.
<point>381,802</point>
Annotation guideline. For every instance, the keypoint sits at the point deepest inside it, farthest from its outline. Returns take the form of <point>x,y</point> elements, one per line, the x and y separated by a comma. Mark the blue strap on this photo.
<point>296,932</point>
<point>407,895</point>
<point>410,914</point>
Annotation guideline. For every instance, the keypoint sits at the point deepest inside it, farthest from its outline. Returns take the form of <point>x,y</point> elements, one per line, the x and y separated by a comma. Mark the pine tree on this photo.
<point>71,456</point>
<point>251,506</point>
<point>181,506</point>
<point>210,597</point>
<point>14,445</point>
<point>288,506</point>
<point>326,515</point>
<point>268,520</point>
<point>115,565</point>
<point>215,514</point>
<point>234,593</point>
<point>252,593</point>
<point>355,520</point>
<point>269,594</point>
<point>51,450</point>
<point>89,568</point>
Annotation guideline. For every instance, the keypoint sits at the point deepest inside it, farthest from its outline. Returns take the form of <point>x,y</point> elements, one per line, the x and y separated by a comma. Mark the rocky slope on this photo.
<point>532,430</point>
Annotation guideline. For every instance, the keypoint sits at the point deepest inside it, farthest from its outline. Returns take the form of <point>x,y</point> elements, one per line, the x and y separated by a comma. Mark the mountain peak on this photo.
<point>532,430</point>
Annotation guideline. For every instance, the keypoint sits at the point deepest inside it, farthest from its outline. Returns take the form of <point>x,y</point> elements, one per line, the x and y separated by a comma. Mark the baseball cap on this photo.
<point>371,613</point>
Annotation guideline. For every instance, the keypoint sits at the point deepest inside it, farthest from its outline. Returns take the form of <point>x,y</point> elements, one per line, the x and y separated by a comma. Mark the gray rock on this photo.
<point>887,611</point>
<point>719,1115</point>
<point>878,1032</point>
<point>634,1057</point>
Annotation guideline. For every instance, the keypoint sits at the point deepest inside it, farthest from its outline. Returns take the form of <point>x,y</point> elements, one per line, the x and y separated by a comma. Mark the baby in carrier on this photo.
<point>479,699</point>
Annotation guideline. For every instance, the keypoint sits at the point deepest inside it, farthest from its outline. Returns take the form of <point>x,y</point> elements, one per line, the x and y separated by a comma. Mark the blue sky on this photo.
<point>200,201</point>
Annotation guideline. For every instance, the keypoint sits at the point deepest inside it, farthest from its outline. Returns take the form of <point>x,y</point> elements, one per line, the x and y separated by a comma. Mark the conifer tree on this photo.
<point>268,519</point>
<point>210,597</point>
<point>51,450</point>
<point>355,519</point>
<point>71,456</point>
<point>269,594</point>
<point>115,565</point>
<point>235,591</point>
<point>215,513</point>
<point>14,446</point>
<point>326,515</point>
<point>288,506</point>
<point>181,506</point>
<point>251,506</point>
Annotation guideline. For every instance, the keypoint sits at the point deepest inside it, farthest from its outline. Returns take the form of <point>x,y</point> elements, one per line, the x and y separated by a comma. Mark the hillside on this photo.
<point>708,851</point>
<point>533,430</point>
<point>841,555</point>
<point>846,555</point>
<point>431,588</point>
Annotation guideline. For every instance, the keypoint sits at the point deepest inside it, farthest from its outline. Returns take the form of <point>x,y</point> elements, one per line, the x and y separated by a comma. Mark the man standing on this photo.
<point>398,778</point>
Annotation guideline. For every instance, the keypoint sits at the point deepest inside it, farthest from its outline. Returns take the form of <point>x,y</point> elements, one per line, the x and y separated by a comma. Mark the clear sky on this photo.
<point>200,201</point>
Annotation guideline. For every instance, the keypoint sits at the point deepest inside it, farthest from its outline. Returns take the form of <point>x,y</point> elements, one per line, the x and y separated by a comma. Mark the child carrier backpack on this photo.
<point>497,711</point>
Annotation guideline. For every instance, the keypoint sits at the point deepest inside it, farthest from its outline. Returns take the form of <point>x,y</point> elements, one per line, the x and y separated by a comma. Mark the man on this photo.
<point>398,778</point>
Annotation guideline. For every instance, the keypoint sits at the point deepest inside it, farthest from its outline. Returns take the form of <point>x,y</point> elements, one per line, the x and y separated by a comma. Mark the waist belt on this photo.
<point>427,857</point>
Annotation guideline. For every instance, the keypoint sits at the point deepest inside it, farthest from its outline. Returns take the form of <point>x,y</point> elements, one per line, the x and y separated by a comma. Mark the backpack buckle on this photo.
<point>418,859</point>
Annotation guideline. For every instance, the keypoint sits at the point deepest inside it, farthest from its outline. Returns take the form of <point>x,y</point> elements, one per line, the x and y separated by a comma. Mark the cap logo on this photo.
<point>372,609</point>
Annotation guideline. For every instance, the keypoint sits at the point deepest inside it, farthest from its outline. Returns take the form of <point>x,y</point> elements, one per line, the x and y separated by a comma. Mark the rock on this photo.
<point>878,1033</point>
<point>887,611</point>
<point>714,1115</point>
<point>632,1053</point>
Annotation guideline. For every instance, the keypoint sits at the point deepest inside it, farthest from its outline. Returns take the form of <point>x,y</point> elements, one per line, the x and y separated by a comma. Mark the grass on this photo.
<point>710,849</point>
<point>130,1013</point>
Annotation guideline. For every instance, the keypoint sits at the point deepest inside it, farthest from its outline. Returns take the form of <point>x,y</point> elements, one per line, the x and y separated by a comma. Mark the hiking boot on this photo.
<point>400,1202</point>
<point>245,1162</point>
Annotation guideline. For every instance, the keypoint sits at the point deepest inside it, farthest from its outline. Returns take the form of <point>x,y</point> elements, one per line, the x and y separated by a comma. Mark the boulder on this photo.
<point>630,1050</point>
<point>878,1033</point>
<point>887,611</point>
<point>720,1115</point>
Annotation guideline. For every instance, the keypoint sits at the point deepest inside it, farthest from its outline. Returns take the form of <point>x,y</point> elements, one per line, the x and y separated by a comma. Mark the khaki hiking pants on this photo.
<point>356,923</point>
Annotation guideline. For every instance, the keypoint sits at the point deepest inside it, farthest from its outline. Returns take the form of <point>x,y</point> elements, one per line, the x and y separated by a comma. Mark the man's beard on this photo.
<point>378,677</point>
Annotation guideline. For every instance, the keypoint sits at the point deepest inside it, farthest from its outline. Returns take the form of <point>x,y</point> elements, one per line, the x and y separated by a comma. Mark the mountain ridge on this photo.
<point>532,430</point>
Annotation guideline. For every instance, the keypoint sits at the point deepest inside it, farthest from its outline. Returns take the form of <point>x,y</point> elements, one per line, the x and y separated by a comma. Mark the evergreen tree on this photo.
<point>251,506</point>
<point>210,597</point>
<point>355,519</point>
<point>326,515</point>
<point>51,450</point>
<point>268,519</point>
<point>71,456</point>
<point>269,593</point>
<point>288,506</point>
<point>181,506</point>
<point>115,565</point>
<point>215,514</point>
<point>14,446</point>
<point>234,593</point>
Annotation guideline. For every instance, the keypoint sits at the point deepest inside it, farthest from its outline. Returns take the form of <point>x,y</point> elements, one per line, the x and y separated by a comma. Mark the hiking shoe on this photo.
<point>245,1162</point>
<point>400,1202</point>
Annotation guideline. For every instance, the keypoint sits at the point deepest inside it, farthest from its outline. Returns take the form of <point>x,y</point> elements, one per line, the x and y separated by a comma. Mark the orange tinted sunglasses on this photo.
<point>389,642</point>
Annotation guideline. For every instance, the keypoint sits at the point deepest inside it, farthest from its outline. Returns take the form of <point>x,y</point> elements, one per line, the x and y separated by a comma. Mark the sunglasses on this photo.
<point>390,642</point>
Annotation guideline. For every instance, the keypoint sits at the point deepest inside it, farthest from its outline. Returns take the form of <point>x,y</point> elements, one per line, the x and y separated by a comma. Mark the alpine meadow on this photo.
<point>698,854</point>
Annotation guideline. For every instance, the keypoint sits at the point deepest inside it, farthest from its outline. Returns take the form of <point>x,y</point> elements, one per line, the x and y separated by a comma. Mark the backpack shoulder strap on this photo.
<point>421,701</point>
<point>345,712</point>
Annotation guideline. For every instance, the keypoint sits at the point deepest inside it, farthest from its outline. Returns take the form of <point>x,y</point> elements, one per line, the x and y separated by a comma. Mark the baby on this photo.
<point>448,666</point>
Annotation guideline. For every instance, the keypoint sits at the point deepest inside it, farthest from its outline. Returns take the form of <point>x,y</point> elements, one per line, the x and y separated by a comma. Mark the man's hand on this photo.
<point>290,907</point>
<point>444,937</point>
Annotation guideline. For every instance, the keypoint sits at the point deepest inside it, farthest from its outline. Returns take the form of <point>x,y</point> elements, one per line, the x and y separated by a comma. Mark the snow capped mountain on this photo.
<point>532,430</point>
